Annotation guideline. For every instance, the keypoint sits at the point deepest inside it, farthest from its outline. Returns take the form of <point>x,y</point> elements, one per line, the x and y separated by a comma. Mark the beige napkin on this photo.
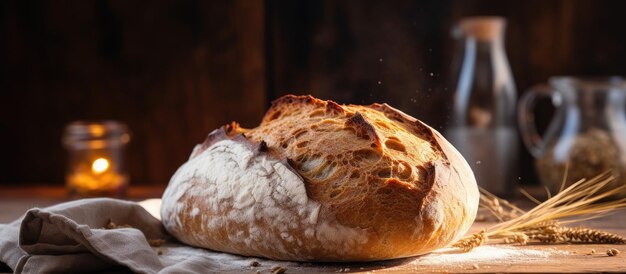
<point>72,238</point>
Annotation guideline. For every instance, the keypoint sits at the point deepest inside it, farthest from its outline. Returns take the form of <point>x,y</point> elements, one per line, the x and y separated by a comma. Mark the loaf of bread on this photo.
<point>319,181</point>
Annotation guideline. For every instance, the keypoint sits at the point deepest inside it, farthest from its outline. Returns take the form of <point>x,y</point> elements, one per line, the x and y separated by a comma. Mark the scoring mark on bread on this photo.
<point>362,128</point>
<point>421,130</point>
<point>332,107</point>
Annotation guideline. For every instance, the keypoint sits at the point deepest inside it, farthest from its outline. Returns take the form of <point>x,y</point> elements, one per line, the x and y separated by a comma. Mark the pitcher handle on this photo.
<point>526,116</point>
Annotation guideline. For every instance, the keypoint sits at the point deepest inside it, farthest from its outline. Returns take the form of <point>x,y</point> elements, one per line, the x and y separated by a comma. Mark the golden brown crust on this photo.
<point>370,168</point>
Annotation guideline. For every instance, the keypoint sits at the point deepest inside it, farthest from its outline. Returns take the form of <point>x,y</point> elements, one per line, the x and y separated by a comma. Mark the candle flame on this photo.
<point>100,165</point>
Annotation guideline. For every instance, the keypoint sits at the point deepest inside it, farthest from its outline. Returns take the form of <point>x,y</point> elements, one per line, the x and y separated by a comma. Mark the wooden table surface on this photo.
<point>14,201</point>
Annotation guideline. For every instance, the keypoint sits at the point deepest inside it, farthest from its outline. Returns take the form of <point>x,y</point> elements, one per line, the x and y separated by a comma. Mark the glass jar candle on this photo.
<point>95,164</point>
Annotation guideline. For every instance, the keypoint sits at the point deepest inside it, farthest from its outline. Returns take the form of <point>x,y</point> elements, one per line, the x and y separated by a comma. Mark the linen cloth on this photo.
<point>72,237</point>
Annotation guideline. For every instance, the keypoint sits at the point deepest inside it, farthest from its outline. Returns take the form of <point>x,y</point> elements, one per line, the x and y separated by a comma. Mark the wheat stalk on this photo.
<point>500,208</point>
<point>583,200</point>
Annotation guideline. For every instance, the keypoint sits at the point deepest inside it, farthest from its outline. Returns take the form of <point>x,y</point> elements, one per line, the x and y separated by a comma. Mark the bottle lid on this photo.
<point>483,28</point>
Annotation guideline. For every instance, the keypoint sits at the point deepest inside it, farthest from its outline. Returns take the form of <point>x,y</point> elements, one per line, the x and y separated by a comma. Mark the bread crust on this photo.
<point>360,183</point>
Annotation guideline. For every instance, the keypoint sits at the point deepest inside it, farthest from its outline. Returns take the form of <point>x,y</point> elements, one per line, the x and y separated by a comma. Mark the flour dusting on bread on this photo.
<point>238,186</point>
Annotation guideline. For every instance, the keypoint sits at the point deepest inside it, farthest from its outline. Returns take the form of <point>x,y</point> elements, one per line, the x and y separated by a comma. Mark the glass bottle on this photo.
<point>482,125</point>
<point>96,158</point>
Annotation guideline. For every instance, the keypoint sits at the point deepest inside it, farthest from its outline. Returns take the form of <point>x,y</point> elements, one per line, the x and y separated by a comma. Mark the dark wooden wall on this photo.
<point>175,70</point>
<point>334,50</point>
